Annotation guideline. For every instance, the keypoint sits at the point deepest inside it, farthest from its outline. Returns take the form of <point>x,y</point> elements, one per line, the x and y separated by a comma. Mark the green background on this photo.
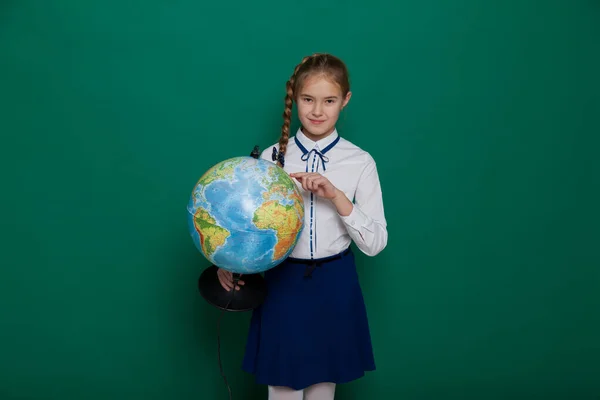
<point>483,118</point>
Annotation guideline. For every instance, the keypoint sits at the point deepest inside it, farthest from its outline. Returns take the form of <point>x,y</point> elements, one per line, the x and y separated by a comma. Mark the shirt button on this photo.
<point>352,223</point>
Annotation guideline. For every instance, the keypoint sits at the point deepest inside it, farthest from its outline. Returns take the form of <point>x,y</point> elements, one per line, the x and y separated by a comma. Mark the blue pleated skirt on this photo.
<point>310,329</point>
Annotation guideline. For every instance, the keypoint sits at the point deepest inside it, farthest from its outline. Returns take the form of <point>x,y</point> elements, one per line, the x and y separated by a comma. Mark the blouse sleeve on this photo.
<point>366,223</point>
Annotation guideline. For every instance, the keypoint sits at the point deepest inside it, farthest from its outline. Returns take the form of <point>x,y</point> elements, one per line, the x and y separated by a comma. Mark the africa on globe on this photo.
<point>245,215</point>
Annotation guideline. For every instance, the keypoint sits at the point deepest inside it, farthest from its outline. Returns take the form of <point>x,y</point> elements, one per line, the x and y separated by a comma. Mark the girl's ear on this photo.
<point>346,99</point>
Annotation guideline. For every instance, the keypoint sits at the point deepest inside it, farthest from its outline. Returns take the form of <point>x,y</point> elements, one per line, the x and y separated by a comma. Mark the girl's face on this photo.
<point>319,104</point>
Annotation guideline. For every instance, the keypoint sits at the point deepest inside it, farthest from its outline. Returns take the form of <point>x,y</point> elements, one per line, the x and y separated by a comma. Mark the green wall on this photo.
<point>483,117</point>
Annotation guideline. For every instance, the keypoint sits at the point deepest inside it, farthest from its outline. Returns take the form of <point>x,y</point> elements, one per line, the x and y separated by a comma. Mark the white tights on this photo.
<point>319,391</point>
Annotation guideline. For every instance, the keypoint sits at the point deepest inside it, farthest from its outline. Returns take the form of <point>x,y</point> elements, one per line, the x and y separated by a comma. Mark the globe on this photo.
<point>245,215</point>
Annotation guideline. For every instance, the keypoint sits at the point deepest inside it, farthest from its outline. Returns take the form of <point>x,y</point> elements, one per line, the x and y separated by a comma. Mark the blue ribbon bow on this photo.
<point>321,154</point>
<point>278,156</point>
<point>324,158</point>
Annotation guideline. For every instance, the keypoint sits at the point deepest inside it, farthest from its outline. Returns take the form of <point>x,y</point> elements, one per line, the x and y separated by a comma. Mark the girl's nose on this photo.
<point>317,110</point>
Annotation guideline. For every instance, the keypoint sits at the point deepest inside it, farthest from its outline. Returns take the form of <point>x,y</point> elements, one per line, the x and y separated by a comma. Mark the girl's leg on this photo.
<point>284,393</point>
<point>320,391</point>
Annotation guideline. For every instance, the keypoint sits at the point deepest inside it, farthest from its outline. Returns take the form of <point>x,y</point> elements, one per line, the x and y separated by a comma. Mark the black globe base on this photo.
<point>250,296</point>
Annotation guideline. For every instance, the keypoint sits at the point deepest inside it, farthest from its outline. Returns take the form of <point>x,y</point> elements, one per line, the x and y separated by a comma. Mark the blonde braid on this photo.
<point>287,112</point>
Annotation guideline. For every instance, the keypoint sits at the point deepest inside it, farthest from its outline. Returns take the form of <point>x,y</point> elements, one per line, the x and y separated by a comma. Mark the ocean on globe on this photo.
<point>245,215</point>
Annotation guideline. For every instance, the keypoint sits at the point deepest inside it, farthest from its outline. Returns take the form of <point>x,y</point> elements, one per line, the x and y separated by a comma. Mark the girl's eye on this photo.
<point>307,99</point>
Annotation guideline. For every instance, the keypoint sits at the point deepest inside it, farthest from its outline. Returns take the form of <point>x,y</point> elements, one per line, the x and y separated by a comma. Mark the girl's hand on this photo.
<point>316,183</point>
<point>321,186</point>
<point>226,279</point>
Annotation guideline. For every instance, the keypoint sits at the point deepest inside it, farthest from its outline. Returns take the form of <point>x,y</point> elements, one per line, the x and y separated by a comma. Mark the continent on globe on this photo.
<point>272,215</point>
<point>245,215</point>
<point>211,235</point>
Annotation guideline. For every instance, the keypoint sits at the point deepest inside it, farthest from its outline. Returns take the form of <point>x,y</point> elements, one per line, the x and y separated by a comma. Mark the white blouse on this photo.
<point>353,171</point>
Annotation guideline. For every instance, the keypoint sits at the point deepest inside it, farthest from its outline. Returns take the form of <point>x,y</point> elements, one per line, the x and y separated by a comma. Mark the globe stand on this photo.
<point>250,296</point>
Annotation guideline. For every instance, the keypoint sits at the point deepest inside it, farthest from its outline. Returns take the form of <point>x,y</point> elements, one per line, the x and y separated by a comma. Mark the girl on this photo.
<point>311,332</point>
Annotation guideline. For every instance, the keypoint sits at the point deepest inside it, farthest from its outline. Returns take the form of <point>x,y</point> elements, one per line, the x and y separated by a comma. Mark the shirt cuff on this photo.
<point>356,219</point>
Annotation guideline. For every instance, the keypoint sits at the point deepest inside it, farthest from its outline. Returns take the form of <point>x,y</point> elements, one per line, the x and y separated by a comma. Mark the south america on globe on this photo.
<point>245,215</point>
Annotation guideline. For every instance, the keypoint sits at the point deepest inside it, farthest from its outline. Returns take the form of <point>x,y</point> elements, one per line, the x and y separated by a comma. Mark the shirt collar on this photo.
<point>320,144</point>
